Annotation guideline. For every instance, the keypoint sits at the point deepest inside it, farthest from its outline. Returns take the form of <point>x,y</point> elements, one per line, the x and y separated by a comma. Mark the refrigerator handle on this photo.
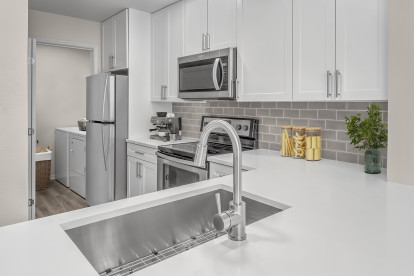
<point>103,146</point>
<point>104,98</point>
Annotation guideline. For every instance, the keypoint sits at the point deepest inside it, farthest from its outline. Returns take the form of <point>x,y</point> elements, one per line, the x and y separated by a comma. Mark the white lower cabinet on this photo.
<point>142,177</point>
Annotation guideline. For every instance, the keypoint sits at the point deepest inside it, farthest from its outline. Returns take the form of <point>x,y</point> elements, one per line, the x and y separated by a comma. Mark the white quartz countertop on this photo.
<point>152,143</point>
<point>74,130</point>
<point>341,221</point>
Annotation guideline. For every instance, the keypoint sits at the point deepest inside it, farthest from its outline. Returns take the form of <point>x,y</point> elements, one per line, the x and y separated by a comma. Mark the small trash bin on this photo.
<point>43,164</point>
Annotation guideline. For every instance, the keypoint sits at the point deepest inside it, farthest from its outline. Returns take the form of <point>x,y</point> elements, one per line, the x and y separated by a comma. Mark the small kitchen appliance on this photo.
<point>168,128</point>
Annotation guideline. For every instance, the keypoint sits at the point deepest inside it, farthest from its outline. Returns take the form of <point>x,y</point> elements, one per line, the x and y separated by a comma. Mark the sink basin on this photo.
<point>127,243</point>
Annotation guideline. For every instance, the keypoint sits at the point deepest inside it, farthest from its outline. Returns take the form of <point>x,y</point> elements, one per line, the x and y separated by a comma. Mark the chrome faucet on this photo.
<point>233,221</point>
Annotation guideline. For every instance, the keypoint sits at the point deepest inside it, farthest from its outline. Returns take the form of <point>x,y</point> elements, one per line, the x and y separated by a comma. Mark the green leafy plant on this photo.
<point>369,133</point>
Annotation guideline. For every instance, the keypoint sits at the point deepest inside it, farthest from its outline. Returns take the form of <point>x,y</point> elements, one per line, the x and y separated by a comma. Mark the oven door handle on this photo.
<point>179,161</point>
<point>216,65</point>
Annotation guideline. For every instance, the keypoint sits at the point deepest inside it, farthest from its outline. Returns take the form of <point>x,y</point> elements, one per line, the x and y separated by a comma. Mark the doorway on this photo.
<point>57,95</point>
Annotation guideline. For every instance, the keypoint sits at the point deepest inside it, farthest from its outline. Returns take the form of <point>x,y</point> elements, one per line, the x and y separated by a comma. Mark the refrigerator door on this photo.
<point>100,98</point>
<point>100,165</point>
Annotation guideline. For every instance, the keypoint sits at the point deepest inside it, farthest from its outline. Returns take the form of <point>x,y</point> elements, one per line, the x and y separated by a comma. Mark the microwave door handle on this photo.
<point>217,62</point>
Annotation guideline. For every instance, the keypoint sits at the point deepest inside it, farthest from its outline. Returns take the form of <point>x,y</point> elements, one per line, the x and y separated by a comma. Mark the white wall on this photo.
<point>60,91</point>
<point>140,106</point>
<point>55,26</point>
<point>401,94</point>
<point>13,112</point>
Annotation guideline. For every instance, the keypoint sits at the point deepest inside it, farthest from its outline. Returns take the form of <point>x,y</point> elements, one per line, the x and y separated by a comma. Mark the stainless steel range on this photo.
<point>175,162</point>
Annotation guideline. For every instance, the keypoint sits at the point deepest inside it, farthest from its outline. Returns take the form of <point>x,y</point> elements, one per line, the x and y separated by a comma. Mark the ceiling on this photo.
<point>96,10</point>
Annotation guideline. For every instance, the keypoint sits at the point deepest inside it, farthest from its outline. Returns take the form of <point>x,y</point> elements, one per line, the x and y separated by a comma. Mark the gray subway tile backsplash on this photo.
<point>271,115</point>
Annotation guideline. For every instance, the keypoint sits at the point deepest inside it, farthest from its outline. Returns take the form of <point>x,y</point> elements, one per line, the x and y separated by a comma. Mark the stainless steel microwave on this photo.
<point>208,76</point>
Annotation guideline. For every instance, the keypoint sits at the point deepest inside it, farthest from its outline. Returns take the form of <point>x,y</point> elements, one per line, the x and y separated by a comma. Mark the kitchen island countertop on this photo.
<point>338,221</point>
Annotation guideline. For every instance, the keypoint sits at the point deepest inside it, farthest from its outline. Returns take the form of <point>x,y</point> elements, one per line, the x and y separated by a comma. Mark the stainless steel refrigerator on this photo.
<point>107,130</point>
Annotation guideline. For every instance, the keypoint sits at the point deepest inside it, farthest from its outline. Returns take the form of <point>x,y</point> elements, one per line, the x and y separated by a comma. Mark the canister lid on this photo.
<point>313,129</point>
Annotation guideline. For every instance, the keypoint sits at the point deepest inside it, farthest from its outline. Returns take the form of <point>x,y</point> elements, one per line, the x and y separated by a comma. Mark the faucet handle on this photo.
<point>218,202</point>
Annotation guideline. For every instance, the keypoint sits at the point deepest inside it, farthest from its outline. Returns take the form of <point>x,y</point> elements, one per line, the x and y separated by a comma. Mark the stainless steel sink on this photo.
<point>124,244</point>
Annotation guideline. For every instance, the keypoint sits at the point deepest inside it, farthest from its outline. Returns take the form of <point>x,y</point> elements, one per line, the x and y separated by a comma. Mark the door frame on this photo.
<point>31,61</point>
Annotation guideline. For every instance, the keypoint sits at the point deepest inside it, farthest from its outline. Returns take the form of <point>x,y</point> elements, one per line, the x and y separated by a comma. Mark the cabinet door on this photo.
<point>121,40</point>
<point>222,24</point>
<point>149,177</point>
<point>361,41</point>
<point>313,50</point>
<point>62,157</point>
<point>107,45</point>
<point>264,40</point>
<point>175,48</point>
<point>195,25</point>
<point>133,181</point>
<point>77,165</point>
<point>142,177</point>
<point>159,52</point>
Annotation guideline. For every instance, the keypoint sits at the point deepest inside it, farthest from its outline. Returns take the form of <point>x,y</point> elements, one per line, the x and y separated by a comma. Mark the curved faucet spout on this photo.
<point>235,217</point>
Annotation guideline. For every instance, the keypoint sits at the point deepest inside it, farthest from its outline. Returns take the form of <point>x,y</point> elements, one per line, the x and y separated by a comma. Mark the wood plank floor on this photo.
<point>57,199</point>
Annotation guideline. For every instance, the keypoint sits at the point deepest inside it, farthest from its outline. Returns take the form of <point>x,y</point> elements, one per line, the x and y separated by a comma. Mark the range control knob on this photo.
<point>239,127</point>
<point>246,127</point>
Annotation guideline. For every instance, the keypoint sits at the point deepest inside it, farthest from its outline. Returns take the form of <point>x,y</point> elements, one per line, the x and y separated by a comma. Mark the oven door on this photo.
<point>171,173</point>
<point>207,76</point>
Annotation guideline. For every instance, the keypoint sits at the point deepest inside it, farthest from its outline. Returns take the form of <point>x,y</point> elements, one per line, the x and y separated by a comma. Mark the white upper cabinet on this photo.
<point>264,39</point>
<point>361,49</point>
<point>115,42</point>
<point>159,53</point>
<point>167,47</point>
<point>339,50</point>
<point>195,26</point>
<point>222,24</point>
<point>209,25</point>
<point>313,49</point>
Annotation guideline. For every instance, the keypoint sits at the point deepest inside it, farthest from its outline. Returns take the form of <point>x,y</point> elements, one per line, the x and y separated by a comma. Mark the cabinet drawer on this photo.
<point>143,153</point>
<point>219,170</point>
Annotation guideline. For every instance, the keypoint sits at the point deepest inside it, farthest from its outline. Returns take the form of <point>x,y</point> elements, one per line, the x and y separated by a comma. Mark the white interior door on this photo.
<point>31,70</point>
<point>313,49</point>
<point>361,49</point>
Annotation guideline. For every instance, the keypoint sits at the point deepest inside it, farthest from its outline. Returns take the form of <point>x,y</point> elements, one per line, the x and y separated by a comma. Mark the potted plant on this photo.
<point>369,134</point>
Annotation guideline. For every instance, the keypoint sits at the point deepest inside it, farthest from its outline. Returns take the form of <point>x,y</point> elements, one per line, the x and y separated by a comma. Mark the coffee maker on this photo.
<point>167,128</point>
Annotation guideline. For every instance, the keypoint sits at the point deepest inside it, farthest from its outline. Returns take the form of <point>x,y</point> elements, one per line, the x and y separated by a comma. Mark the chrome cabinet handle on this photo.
<point>329,84</point>
<point>139,173</point>
<point>208,42</point>
<point>203,42</point>
<point>139,152</point>
<point>163,87</point>
<point>137,170</point>
<point>338,81</point>
<point>165,92</point>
